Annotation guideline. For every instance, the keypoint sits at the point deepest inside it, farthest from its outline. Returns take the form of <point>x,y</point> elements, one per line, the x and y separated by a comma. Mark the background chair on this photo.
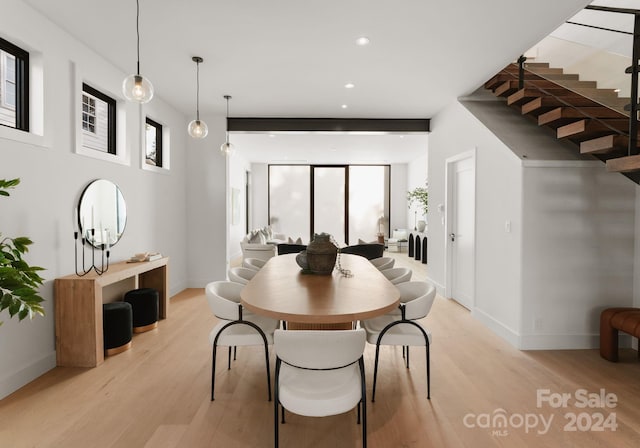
<point>397,275</point>
<point>399,327</point>
<point>383,263</point>
<point>237,326</point>
<point>253,263</point>
<point>286,248</point>
<point>241,275</point>
<point>320,373</point>
<point>369,251</point>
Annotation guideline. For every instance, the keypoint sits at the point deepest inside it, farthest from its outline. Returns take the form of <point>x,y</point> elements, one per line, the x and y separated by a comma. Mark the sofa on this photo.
<point>261,243</point>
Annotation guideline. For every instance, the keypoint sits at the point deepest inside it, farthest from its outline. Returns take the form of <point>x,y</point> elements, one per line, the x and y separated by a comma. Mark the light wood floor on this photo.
<point>157,394</point>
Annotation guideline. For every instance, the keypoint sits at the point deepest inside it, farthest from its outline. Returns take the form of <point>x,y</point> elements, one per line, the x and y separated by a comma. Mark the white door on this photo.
<point>461,229</point>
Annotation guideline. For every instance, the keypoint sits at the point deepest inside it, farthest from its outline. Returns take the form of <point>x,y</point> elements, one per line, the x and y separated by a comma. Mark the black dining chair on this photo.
<point>369,251</point>
<point>286,248</point>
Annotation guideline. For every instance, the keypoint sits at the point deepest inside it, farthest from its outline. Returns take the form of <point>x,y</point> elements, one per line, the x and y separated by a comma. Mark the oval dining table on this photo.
<point>308,301</point>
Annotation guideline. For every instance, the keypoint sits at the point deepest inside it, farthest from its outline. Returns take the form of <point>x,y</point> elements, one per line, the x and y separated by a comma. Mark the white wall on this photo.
<point>53,177</point>
<point>578,252</point>
<point>498,199</point>
<point>260,195</point>
<point>417,176</point>
<point>238,166</point>
<point>207,206</point>
<point>570,249</point>
<point>398,212</point>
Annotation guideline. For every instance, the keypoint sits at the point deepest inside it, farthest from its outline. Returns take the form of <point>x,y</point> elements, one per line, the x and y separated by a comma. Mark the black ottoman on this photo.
<point>117,327</point>
<point>144,302</point>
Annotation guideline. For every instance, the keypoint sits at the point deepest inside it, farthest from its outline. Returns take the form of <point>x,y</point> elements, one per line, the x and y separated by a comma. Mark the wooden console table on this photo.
<point>78,306</point>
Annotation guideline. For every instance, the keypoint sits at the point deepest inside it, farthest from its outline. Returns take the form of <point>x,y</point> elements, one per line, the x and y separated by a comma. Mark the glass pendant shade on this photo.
<point>227,149</point>
<point>137,88</point>
<point>198,129</point>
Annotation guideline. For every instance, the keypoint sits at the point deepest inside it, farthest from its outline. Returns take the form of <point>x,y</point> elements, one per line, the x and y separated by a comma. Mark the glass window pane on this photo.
<point>289,200</point>
<point>150,147</point>
<point>329,202</point>
<point>367,202</point>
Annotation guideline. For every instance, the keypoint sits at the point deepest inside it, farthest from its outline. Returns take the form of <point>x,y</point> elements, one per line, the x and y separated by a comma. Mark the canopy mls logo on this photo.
<point>500,422</point>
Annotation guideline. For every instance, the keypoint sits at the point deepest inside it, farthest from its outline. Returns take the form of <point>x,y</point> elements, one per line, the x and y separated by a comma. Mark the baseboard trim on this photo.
<point>502,330</point>
<point>14,381</point>
<point>567,341</point>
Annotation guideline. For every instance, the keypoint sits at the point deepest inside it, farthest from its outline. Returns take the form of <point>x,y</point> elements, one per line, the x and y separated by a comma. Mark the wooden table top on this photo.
<point>281,291</point>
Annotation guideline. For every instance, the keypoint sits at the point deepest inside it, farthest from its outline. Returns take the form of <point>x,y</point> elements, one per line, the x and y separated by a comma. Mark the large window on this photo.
<point>98,120</point>
<point>14,86</point>
<point>153,143</point>
<point>349,202</point>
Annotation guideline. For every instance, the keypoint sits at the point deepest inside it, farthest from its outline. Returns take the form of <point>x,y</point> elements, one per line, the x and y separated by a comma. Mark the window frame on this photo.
<point>22,84</point>
<point>111,116</point>
<point>159,143</point>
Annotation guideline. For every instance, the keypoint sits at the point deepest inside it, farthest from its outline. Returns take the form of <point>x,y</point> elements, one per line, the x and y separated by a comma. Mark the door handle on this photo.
<point>452,236</point>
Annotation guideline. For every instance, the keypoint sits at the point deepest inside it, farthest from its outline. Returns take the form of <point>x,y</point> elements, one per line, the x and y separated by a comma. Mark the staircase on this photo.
<point>592,118</point>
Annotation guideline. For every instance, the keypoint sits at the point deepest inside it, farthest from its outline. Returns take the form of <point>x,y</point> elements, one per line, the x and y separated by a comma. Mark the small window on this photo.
<point>98,120</point>
<point>14,86</point>
<point>153,143</point>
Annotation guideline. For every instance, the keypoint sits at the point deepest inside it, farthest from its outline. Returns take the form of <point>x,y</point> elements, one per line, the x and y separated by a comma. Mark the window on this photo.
<point>14,86</point>
<point>153,143</point>
<point>98,120</point>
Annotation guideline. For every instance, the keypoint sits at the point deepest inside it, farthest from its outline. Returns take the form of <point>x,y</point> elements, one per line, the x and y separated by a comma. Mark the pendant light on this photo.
<point>136,87</point>
<point>198,128</point>
<point>227,148</point>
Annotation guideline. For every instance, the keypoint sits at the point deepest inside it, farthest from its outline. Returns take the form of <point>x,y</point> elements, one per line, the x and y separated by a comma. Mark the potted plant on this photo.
<point>19,282</point>
<point>419,196</point>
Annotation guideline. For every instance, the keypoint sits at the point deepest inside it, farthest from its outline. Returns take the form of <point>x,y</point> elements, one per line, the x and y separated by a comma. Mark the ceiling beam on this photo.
<point>382,125</point>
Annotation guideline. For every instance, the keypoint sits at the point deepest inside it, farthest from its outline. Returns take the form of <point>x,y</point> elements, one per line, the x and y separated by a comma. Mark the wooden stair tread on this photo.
<point>542,104</point>
<point>560,116</point>
<point>588,129</point>
<point>626,164</point>
<point>605,144</point>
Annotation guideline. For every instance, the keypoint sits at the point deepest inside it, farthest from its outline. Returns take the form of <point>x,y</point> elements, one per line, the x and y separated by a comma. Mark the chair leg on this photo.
<point>234,352</point>
<point>282,407</point>
<point>407,356</point>
<point>275,423</point>
<point>359,406</point>
<point>375,373</point>
<point>428,374</point>
<point>266,357</point>
<point>229,361</point>
<point>213,371</point>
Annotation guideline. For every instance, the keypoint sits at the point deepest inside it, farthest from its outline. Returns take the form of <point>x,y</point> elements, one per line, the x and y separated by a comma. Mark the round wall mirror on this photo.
<point>102,213</point>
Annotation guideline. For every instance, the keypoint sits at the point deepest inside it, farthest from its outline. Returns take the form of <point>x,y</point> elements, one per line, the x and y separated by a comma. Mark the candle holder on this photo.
<point>91,233</point>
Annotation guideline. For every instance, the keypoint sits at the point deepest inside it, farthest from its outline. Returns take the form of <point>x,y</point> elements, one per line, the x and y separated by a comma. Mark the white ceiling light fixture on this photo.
<point>344,106</point>
<point>362,41</point>
<point>136,87</point>
<point>349,85</point>
<point>198,128</point>
<point>227,148</point>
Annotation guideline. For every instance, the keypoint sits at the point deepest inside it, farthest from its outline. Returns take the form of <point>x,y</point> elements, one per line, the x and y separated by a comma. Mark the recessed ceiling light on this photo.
<point>362,41</point>
<point>344,106</point>
<point>272,135</point>
<point>349,85</point>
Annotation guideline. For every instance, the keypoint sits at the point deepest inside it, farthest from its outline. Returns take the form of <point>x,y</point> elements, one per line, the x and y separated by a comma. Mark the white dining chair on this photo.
<point>241,275</point>
<point>383,263</point>
<point>253,263</point>
<point>236,326</point>
<point>400,326</point>
<point>397,275</point>
<point>320,373</point>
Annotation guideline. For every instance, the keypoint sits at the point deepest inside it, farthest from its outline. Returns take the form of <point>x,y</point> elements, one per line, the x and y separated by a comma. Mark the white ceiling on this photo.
<point>292,58</point>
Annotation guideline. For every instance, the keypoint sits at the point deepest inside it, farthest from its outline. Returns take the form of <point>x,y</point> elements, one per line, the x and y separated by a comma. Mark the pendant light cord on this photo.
<point>227,98</point>
<point>197,91</point>
<point>138,32</point>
